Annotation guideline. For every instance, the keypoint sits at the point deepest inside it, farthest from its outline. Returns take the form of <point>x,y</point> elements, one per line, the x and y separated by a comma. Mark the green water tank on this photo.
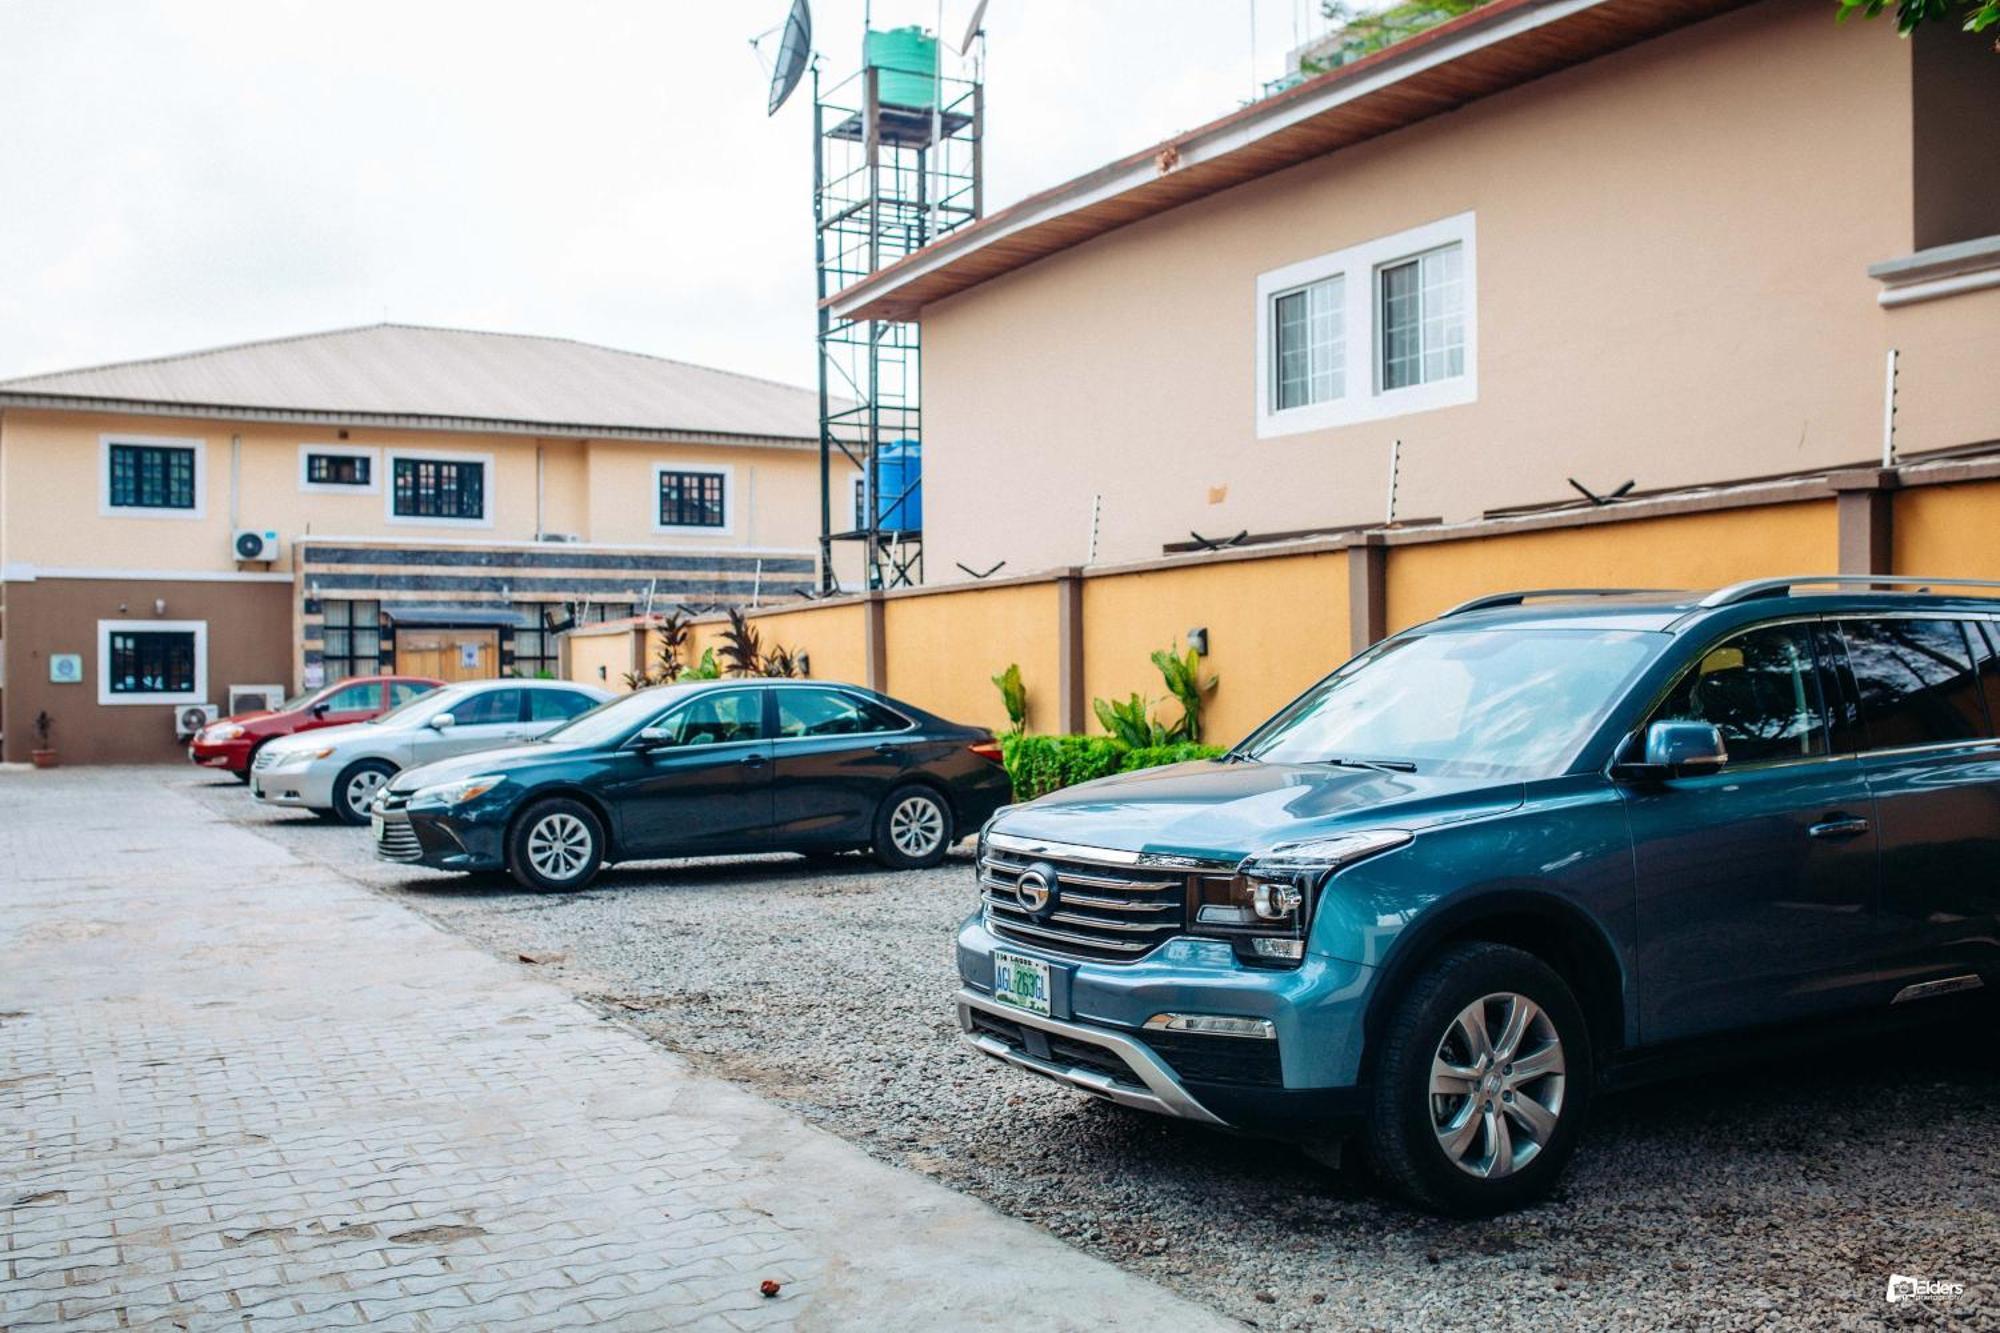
<point>907,59</point>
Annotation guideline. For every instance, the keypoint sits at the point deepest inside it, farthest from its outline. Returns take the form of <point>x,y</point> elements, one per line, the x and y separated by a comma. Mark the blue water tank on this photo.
<point>899,490</point>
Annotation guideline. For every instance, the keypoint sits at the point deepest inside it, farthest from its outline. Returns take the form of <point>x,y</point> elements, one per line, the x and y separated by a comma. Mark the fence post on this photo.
<point>1070,713</point>
<point>875,636</point>
<point>1864,512</point>
<point>1367,590</point>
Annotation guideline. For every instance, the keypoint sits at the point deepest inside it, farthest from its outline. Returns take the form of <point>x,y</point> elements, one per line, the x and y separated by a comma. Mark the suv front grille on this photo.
<point>1107,906</point>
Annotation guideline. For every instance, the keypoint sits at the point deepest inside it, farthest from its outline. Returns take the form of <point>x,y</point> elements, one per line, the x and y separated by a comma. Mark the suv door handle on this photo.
<point>1841,826</point>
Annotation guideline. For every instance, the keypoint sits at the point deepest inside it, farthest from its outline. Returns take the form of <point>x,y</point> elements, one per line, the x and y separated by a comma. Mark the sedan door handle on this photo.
<point>753,761</point>
<point>885,748</point>
<point>1844,826</point>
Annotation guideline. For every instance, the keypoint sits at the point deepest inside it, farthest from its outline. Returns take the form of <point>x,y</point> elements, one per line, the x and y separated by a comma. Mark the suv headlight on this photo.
<point>1265,907</point>
<point>457,793</point>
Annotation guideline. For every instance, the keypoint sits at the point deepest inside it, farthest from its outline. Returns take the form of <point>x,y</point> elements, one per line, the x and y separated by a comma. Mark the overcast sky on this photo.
<point>181,175</point>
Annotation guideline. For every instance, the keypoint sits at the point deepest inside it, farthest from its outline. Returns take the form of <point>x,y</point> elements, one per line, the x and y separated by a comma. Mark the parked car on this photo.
<point>231,743</point>
<point>702,769</point>
<point>336,772</point>
<point>1504,858</point>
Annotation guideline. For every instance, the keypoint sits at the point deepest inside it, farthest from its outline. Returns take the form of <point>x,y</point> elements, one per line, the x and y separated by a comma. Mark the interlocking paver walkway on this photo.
<point>240,1092</point>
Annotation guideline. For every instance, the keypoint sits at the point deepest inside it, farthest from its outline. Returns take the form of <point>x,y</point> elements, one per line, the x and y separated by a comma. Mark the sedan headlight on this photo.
<point>1265,907</point>
<point>220,732</point>
<point>457,793</point>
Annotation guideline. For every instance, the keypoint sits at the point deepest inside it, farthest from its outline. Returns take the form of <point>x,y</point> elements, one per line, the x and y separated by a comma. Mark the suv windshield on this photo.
<point>1511,704</point>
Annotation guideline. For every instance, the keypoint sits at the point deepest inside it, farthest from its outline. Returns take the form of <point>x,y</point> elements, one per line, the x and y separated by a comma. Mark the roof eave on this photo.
<point>413,421</point>
<point>1212,158</point>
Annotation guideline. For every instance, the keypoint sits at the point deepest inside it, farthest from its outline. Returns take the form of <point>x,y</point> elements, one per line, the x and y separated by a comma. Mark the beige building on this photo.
<point>1663,242</point>
<point>442,502</point>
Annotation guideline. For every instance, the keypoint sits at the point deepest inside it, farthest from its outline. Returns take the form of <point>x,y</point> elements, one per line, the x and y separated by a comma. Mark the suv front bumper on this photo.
<point>1303,1082</point>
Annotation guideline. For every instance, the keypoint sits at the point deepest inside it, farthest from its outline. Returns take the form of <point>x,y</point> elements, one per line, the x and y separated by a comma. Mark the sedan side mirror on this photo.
<point>443,722</point>
<point>1674,750</point>
<point>653,738</point>
<point>319,710</point>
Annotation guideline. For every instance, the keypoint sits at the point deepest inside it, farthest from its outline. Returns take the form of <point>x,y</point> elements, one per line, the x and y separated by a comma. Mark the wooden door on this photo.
<point>449,654</point>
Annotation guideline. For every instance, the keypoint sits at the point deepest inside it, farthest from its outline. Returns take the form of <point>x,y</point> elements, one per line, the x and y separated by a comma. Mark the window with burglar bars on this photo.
<point>1309,334</point>
<point>152,662</point>
<point>352,639</point>
<point>1423,318</point>
<point>337,469</point>
<point>152,476</point>
<point>534,646</point>
<point>691,500</point>
<point>440,488</point>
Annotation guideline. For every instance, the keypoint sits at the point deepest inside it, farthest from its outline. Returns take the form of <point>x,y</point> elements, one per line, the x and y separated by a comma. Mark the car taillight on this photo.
<point>987,750</point>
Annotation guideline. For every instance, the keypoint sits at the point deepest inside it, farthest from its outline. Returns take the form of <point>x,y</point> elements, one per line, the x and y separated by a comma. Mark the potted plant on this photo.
<point>44,753</point>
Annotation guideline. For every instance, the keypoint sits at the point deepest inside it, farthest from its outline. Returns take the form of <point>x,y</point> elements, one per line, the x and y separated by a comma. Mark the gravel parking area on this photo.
<point>1781,1196</point>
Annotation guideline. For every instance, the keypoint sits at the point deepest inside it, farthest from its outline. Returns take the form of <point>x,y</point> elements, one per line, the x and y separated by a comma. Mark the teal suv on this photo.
<point>1544,843</point>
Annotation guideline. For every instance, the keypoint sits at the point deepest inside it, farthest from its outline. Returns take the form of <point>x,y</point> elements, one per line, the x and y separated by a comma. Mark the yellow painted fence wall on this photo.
<point>1278,621</point>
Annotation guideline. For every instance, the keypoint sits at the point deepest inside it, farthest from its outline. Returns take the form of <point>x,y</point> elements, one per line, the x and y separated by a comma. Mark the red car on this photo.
<point>232,742</point>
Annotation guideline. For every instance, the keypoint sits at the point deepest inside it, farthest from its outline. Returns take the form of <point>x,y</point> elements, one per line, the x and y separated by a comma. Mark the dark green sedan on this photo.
<point>710,768</point>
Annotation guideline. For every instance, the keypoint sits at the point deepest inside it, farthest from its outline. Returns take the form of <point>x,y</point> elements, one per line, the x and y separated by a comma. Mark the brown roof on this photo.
<point>1489,50</point>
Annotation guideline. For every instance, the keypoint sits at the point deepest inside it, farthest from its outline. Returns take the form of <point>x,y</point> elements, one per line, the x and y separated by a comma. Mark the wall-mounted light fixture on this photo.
<point>1197,639</point>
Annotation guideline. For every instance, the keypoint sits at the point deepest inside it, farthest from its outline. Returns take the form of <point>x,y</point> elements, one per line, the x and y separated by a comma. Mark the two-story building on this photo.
<point>435,501</point>
<point>1639,243</point>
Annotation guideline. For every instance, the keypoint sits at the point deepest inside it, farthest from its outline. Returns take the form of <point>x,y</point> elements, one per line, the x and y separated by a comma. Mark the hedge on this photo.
<point>1039,765</point>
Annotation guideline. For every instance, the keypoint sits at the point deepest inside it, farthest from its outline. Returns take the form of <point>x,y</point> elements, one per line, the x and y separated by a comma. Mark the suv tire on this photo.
<point>1487,1136</point>
<point>556,846</point>
<point>356,786</point>
<point>912,828</point>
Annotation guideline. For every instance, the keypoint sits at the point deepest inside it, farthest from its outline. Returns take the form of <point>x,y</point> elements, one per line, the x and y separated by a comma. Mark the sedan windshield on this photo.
<point>1511,704</point>
<point>420,708</point>
<point>615,719</point>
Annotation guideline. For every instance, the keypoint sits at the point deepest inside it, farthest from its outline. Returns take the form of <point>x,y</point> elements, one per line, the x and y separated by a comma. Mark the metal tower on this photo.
<point>896,164</point>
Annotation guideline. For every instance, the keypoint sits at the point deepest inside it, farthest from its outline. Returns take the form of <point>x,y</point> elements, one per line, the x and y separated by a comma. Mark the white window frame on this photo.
<point>723,470</point>
<point>308,451</point>
<point>109,510</point>
<point>198,695</point>
<point>390,457</point>
<point>1363,397</point>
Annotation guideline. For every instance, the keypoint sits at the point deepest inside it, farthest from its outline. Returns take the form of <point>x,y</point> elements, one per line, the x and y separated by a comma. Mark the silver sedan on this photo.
<point>336,771</point>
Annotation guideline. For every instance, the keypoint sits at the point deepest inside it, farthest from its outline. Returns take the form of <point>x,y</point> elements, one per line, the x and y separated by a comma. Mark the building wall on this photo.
<point>596,491</point>
<point>943,651</point>
<point>249,643</point>
<point>1672,244</point>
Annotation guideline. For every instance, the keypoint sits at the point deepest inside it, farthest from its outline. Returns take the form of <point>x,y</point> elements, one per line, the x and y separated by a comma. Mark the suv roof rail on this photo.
<point>1752,589</point>
<point>1517,598</point>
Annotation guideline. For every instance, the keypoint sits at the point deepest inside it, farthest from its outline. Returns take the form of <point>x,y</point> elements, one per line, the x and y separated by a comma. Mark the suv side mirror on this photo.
<point>443,722</point>
<point>1673,750</point>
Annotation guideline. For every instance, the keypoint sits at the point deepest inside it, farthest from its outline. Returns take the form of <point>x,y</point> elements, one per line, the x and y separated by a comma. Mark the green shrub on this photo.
<point>1130,722</point>
<point>1153,756</point>
<point>1014,695</point>
<point>1039,765</point>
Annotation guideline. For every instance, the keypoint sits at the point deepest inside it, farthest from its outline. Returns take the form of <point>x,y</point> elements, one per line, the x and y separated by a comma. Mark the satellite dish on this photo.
<point>794,54</point>
<point>972,27</point>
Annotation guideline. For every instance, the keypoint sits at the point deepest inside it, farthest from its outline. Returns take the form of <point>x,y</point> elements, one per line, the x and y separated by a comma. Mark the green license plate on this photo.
<point>1021,982</point>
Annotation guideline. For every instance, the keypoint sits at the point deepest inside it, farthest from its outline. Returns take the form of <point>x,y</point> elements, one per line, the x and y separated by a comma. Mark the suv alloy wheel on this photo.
<point>1483,1082</point>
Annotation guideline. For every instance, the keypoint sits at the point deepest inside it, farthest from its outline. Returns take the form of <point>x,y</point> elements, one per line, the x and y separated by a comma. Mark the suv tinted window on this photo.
<point>1760,691</point>
<point>1914,682</point>
<point>1985,637</point>
<point>487,708</point>
<point>557,705</point>
<point>830,713</point>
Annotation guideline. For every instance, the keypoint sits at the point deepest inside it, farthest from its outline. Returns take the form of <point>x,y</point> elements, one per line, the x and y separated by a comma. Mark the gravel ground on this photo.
<point>1781,1196</point>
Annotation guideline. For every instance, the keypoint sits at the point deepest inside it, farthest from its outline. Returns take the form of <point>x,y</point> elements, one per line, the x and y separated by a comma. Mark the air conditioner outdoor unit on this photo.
<point>190,718</point>
<point>254,698</point>
<point>249,544</point>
